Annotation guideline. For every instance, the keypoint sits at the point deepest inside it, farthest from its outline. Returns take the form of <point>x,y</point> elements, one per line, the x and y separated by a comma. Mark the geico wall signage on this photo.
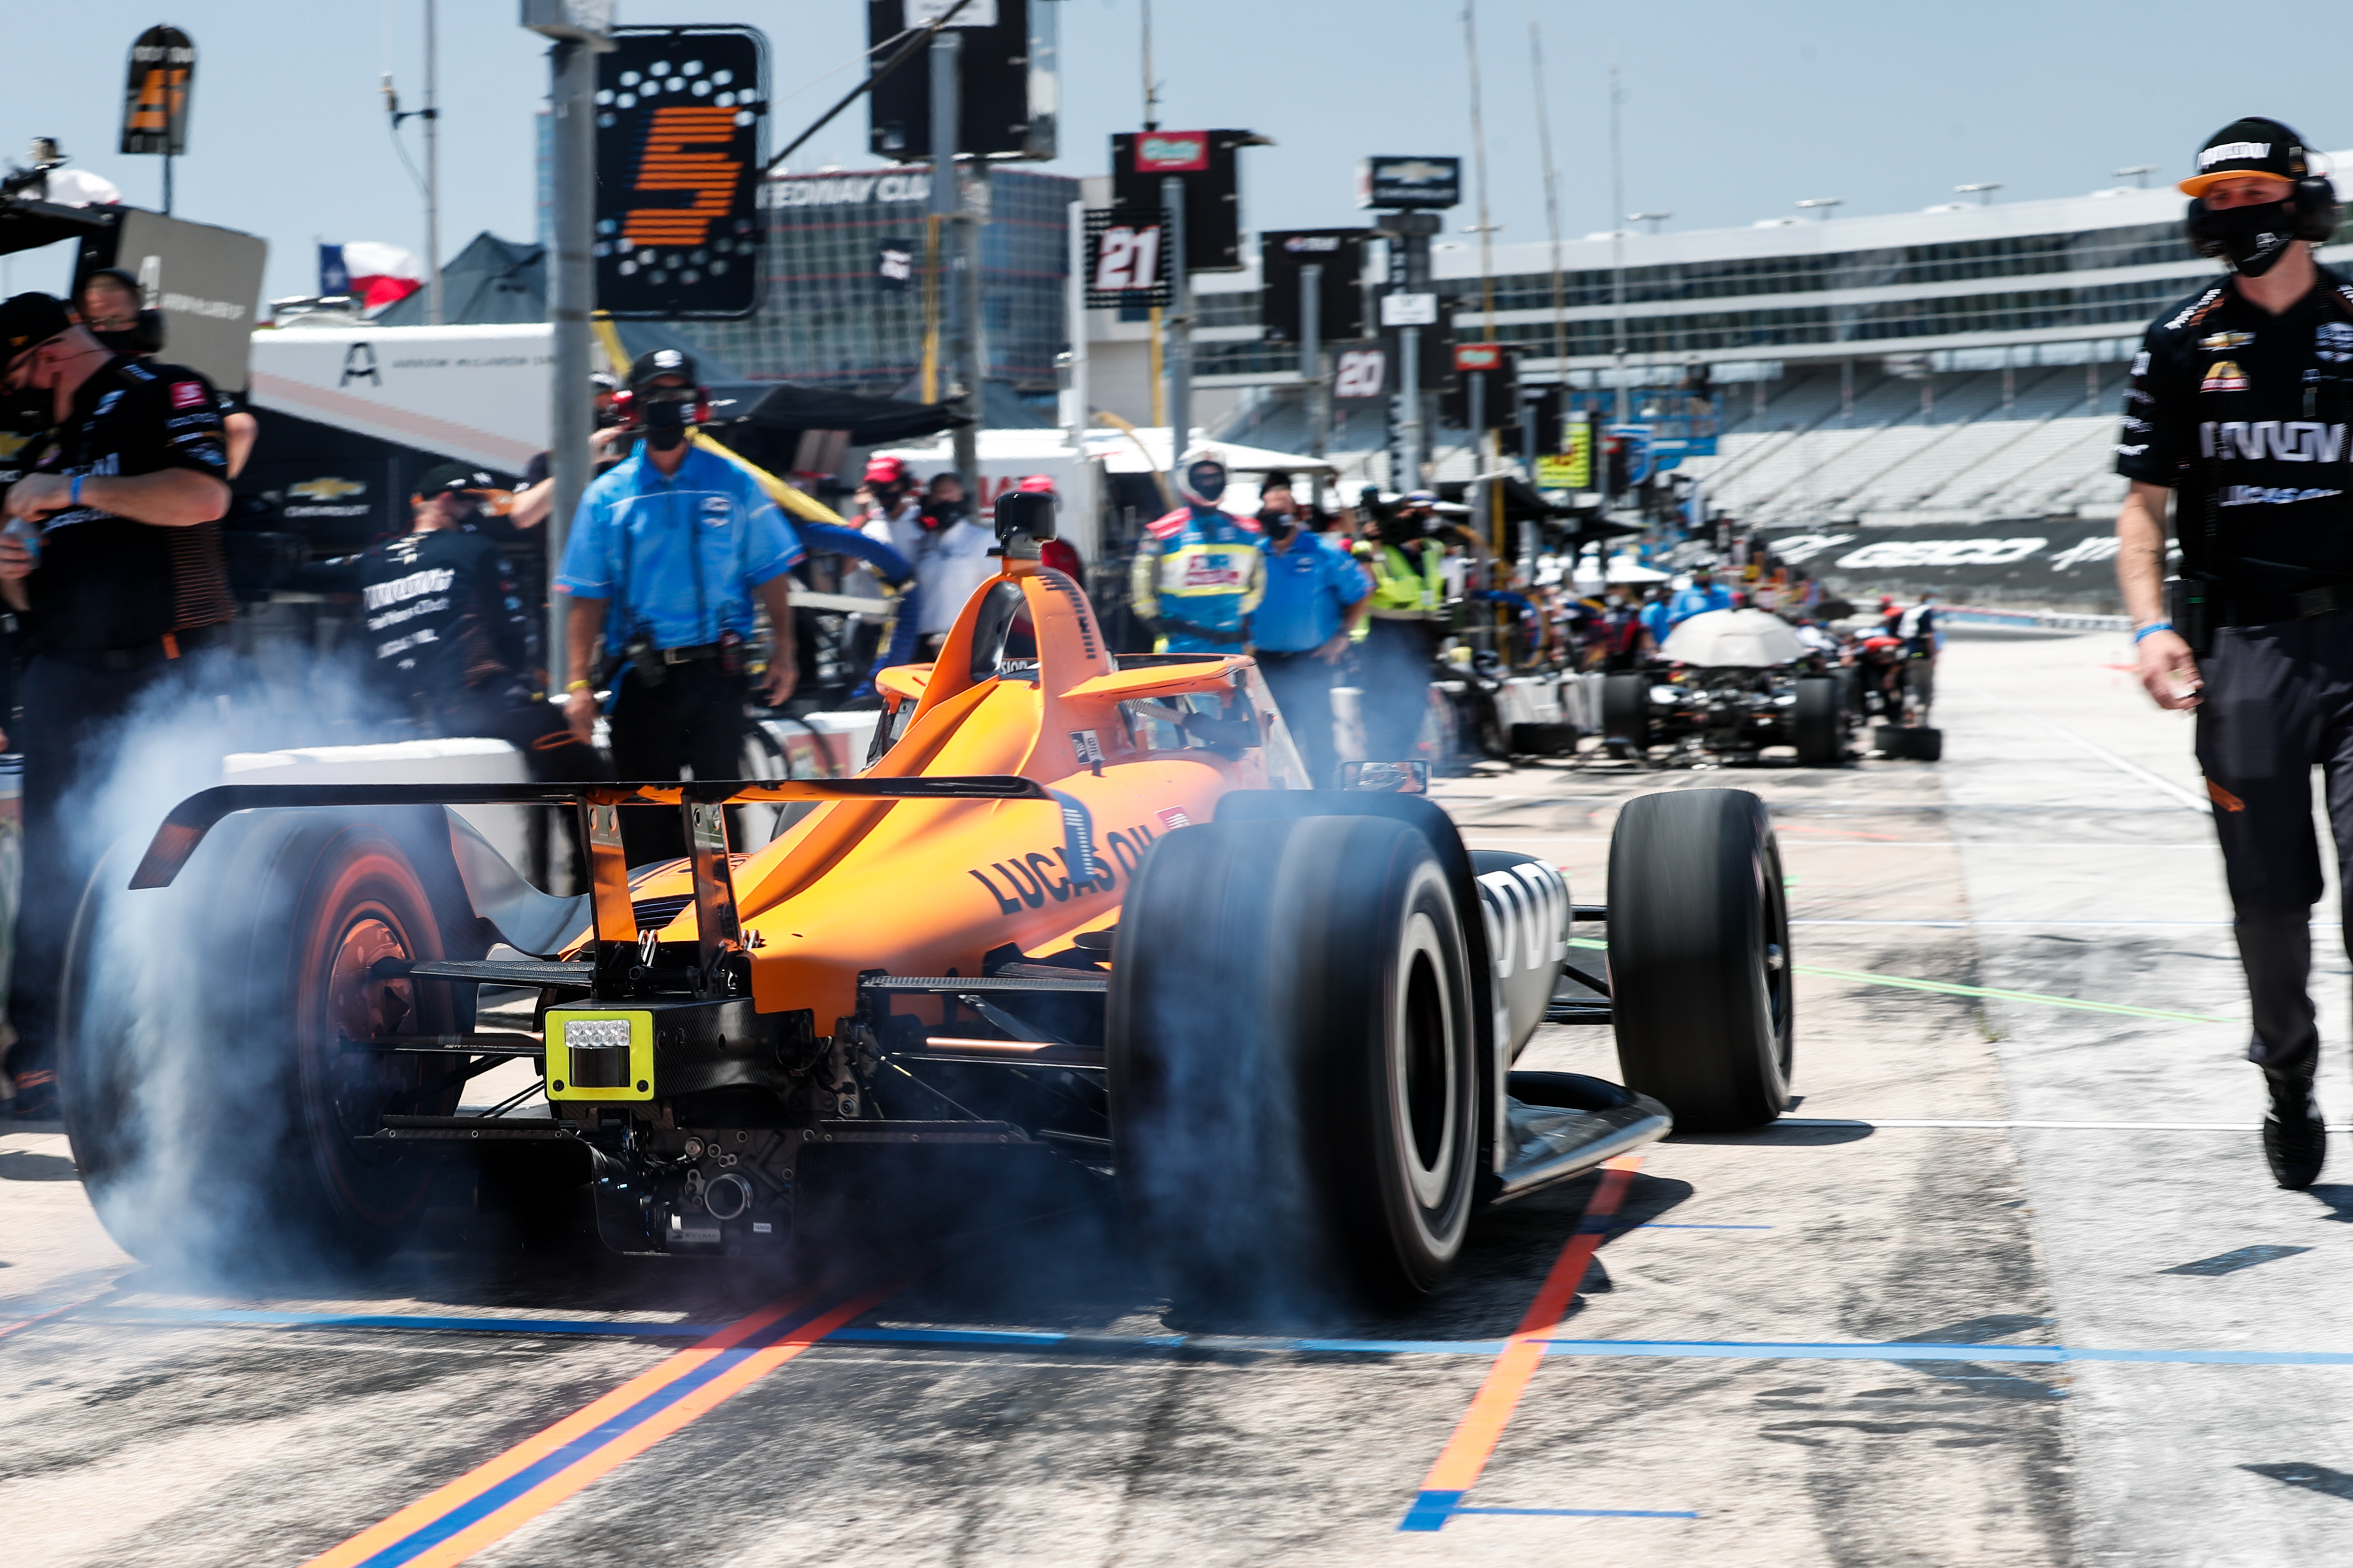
<point>2068,552</point>
<point>678,116</point>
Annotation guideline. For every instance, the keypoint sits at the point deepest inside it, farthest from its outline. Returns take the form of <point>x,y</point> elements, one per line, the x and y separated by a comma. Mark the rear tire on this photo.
<point>1293,1067</point>
<point>1927,743</point>
<point>1699,957</point>
<point>1815,722</point>
<point>208,1102</point>
<point>1626,711</point>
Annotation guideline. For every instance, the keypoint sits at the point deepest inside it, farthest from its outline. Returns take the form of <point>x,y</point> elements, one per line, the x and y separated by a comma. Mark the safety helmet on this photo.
<point>1037,485</point>
<point>886,471</point>
<point>1201,478</point>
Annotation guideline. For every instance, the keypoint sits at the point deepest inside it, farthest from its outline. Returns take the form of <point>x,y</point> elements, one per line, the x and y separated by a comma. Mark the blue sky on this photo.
<point>1733,112</point>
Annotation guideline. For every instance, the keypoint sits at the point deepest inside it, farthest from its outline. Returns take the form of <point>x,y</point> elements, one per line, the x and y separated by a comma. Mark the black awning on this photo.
<point>773,407</point>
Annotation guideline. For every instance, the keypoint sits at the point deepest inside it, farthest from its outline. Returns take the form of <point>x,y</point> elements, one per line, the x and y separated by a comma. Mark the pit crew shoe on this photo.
<point>2296,1141</point>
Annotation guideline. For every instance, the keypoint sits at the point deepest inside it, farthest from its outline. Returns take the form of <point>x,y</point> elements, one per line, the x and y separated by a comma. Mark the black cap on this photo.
<point>661,362</point>
<point>1276,480</point>
<point>29,319</point>
<point>2250,146</point>
<point>601,381</point>
<point>452,478</point>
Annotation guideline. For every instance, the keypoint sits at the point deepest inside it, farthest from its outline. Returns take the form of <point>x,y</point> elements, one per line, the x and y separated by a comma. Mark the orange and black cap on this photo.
<point>27,320</point>
<point>2250,146</point>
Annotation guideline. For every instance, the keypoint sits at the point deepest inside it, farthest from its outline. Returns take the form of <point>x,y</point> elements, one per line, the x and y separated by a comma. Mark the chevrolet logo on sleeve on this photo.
<point>326,489</point>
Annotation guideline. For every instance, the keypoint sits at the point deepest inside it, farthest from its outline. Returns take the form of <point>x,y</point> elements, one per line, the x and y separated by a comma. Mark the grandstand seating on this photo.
<point>1803,454</point>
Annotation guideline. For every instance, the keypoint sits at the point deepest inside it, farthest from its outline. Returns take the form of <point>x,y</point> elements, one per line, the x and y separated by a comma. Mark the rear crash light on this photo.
<point>601,1055</point>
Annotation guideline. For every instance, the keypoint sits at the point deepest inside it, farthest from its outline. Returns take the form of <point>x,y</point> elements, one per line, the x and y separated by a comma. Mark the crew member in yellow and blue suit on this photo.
<point>1199,571</point>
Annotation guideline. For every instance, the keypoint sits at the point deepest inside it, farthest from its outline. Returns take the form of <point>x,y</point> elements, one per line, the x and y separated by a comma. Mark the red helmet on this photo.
<point>886,471</point>
<point>1037,485</point>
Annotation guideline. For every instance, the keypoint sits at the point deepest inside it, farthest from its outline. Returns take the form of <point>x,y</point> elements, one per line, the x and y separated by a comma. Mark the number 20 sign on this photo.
<point>1127,264</point>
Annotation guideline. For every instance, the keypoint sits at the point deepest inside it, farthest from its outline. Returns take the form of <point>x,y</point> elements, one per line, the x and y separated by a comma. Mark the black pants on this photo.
<point>2277,700</point>
<point>692,719</point>
<point>1396,687</point>
<point>71,725</point>
<point>1301,684</point>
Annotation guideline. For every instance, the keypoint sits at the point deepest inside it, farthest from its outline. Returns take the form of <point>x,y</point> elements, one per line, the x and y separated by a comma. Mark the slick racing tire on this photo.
<point>1699,957</point>
<point>1817,728</point>
<point>1626,711</point>
<point>1294,1064</point>
<point>211,1098</point>
<point>1910,742</point>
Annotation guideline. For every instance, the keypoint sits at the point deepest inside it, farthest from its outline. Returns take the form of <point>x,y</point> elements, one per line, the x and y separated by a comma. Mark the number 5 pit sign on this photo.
<point>1127,258</point>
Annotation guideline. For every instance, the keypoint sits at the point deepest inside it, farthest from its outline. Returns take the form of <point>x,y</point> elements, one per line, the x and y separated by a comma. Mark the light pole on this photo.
<point>1653,219</point>
<point>1983,190</point>
<point>2138,171</point>
<point>1822,204</point>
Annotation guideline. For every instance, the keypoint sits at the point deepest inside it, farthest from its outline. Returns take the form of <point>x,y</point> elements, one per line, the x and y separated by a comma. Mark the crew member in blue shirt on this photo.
<point>1315,594</point>
<point>667,553</point>
<point>1701,597</point>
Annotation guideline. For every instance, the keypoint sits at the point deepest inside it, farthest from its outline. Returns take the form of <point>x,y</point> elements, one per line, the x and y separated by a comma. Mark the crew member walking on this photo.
<point>1408,598</point>
<point>1199,574</point>
<point>666,556</point>
<point>1315,596</point>
<point>138,456</point>
<point>2240,405</point>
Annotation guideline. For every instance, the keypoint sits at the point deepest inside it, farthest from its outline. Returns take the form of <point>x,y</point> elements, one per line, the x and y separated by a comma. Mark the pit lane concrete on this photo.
<point>2057,851</point>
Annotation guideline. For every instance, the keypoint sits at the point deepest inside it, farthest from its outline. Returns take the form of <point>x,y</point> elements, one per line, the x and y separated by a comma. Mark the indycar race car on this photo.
<point>1076,910</point>
<point>1730,683</point>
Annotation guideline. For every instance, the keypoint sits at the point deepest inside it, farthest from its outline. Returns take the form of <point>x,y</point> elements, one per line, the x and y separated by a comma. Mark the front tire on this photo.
<point>1699,957</point>
<point>1816,721</point>
<point>1294,1063</point>
<point>1626,725</point>
<point>210,1101</point>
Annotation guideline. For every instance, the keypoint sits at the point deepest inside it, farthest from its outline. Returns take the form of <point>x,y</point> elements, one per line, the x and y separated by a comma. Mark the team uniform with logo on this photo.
<point>2244,415</point>
<point>1199,573</point>
<point>677,560</point>
<point>116,606</point>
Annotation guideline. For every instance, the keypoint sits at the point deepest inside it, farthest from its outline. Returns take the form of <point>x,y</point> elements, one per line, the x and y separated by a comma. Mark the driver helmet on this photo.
<point>1201,478</point>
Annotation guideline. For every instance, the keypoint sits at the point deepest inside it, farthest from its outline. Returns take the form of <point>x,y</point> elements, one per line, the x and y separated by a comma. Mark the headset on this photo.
<point>2312,202</point>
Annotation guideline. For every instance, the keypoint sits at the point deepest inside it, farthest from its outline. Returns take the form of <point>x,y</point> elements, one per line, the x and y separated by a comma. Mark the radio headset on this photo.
<point>625,409</point>
<point>2313,200</point>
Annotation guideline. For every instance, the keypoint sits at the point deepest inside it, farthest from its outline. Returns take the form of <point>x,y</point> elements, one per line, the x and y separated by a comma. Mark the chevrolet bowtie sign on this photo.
<point>678,112</point>
<point>1409,183</point>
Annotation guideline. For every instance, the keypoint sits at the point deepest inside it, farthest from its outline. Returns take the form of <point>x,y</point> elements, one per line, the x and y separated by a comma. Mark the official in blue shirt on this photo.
<point>1315,594</point>
<point>1701,597</point>
<point>666,554</point>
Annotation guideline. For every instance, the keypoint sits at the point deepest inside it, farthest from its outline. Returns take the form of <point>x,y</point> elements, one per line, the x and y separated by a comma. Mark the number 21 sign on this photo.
<point>1127,263</point>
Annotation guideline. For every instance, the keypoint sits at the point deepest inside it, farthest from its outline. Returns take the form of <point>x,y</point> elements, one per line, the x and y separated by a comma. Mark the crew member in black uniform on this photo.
<point>137,456</point>
<point>2240,408</point>
<point>443,635</point>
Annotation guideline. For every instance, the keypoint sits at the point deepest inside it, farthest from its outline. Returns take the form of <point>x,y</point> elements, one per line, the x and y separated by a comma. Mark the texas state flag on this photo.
<point>378,273</point>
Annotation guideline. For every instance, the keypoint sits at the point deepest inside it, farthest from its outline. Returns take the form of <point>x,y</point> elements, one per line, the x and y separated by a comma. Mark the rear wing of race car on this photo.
<point>701,803</point>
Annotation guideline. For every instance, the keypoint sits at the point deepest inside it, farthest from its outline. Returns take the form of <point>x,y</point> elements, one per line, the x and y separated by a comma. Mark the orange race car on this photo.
<point>1079,909</point>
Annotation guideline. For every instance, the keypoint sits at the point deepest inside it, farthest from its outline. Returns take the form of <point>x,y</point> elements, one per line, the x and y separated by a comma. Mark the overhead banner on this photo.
<point>155,102</point>
<point>680,112</point>
<point>1340,297</point>
<point>2052,560</point>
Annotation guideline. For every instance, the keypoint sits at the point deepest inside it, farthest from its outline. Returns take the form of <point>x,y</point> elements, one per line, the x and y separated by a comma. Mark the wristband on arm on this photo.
<point>2143,634</point>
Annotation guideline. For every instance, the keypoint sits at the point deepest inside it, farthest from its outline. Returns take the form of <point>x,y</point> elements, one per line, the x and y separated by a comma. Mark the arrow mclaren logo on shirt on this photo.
<point>2224,375</point>
<point>2265,495</point>
<point>2286,441</point>
<point>2333,341</point>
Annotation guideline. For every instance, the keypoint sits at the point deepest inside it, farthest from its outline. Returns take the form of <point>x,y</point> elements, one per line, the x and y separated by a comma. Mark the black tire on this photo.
<point>1815,722</point>
<point>1294,1064</point>
<point>1927,743</point>
<point>209,1107</point>
<point>1892,740</point>
<point>1544,739</point>
<point>1699,957</point>
<point>1626,710</point>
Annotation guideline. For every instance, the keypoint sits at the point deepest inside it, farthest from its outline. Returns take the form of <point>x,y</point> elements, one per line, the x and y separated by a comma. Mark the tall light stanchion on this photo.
<point>1179,320</point>
<point>1478,391</point>
<point>1409,421</point>
<point>433,302</point>
<point>1080,505</point>
<point>960,391</point>
<point>1311,366</point>
<point>972,339</point>
<point>571,418</point>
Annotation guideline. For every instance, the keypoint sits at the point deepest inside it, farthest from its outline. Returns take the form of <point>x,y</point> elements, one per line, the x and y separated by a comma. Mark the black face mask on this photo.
<point>2252,238</point>
<point>1278,525</point>
<point>666,425</point>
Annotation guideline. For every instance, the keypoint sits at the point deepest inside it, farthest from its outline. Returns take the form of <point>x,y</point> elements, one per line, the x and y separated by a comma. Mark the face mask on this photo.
<point>2254,238</point>
<point>1278,525</point>
<point>1208,480</point>
<point>665,425</point>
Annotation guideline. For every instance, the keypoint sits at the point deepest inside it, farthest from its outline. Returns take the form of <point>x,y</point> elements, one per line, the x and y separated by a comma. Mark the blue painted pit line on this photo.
<point>1146,1344</point>
<point>1430,1510</point>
